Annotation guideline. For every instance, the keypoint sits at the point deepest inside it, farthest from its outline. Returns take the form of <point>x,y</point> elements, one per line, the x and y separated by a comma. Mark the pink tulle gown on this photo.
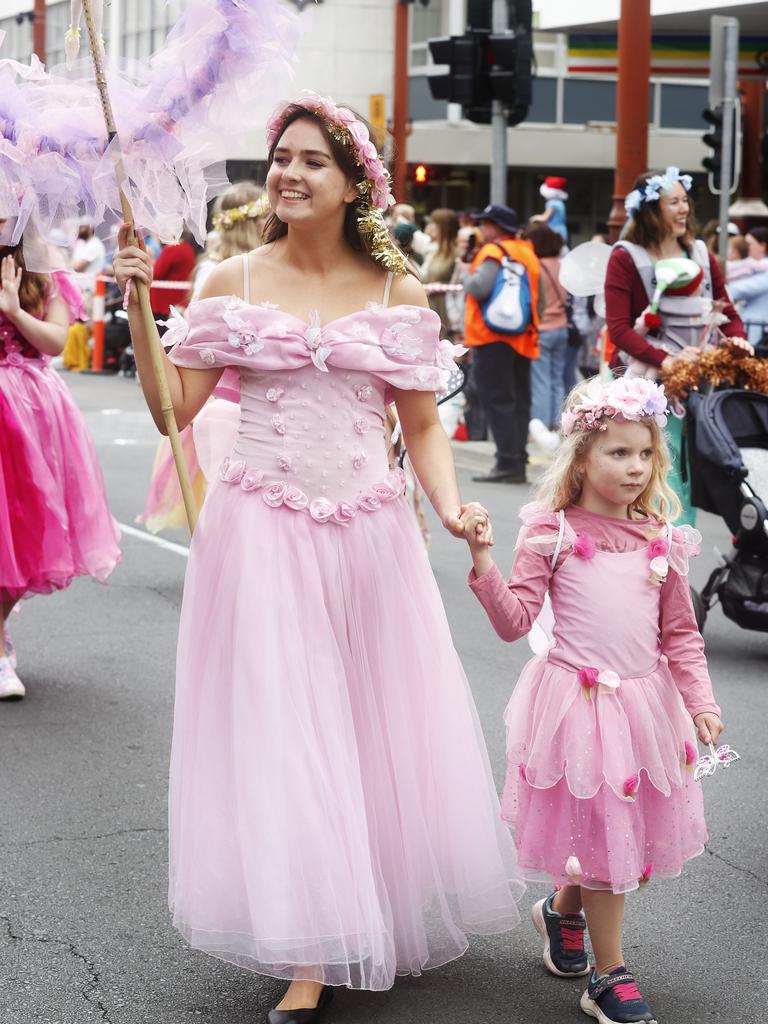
<point>332,812</point>
<point>601,744</point>
<point>55,523</point>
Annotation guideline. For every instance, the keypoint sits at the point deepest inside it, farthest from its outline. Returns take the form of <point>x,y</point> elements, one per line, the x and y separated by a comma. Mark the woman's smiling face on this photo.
<point>675,208</point>
<point>304,182</point>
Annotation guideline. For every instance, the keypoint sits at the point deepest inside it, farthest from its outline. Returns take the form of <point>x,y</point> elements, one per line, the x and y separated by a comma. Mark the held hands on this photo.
<point>131,262</point>
<point>10,282</point>
<point>709,726</point>
<point>476,526</point>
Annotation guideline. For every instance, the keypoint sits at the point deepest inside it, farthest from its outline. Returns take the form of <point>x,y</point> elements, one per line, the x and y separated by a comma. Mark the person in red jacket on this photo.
<point>662,226</point>
<point>175,263</point>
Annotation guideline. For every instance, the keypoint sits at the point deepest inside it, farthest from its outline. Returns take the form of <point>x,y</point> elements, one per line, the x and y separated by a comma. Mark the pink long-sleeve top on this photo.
<point>513,605</point>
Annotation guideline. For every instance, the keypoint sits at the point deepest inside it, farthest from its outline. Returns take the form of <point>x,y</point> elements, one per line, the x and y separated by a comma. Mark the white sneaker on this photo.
<point>11,687</point>
<point>10,650</point>
<point>546,439</point>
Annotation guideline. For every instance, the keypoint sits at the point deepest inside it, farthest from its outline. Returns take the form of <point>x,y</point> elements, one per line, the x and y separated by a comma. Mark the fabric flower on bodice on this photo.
<point>313,335</point>
<point>397,342</point>
<point>363,392</point>
<point>177,327</point>
<point>240,335</point>
<point>359,459</point>
<point>275,394</point>
<point>361,330</point>
<point>584,546</point>
<point>361,426</point>
<point>285,462</point>
<point>659,568</point>
<point>277,424</point>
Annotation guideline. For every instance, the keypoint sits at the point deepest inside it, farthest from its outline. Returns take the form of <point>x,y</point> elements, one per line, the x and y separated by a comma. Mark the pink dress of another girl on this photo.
<point>332,811</point>
<point>55,523</point>
<point>601,745</point>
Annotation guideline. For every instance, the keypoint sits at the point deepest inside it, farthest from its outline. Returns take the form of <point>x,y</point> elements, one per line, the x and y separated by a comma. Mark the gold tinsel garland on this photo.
<point>715,367</point>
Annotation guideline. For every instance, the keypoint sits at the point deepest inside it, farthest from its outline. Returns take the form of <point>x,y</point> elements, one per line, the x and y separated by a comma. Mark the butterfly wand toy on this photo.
<point>722,757</point>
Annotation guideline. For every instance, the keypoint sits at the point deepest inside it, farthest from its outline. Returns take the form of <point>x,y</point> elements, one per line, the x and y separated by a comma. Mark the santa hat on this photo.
<point>688,289</point>
<point>558,183</point>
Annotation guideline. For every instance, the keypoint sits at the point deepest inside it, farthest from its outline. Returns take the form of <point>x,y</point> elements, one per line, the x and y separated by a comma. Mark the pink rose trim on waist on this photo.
<point>252,479</point>
<point>322,510</point>
<point>274,495</point>
<point>295,499</point>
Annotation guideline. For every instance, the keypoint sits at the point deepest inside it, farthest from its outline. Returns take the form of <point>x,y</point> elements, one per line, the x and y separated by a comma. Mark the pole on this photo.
<point>500,23</point>
<point>400,99</point>
<point>155,347</point>
<point>98,326</point>
<point>730,99</point>
<point>38,29</point>
<point>753,91</point>
<point>631,105</point>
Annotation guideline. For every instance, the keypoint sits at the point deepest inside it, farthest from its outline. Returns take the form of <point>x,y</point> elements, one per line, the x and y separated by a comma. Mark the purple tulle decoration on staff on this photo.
<point>171,113</point>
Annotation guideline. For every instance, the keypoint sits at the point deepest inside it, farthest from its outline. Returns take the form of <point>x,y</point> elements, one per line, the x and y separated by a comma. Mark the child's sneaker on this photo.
<point>563,934</point>
<point>11,687</point>
<point>10,650</point>
<point>614,998</point>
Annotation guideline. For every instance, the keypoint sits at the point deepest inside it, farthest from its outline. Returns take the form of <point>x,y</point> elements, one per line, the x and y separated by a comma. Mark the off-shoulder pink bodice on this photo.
<point>312,397</point>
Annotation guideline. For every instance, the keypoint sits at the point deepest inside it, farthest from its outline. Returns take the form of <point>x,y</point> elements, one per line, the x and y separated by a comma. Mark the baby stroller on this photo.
<point>728,458</point>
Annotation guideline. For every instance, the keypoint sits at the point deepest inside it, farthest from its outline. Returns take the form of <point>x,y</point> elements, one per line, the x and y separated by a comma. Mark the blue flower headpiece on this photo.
<point>654,187</point>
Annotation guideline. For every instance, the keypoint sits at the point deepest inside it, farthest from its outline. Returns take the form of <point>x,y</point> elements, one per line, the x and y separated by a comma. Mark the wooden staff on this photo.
<point>155,345</point>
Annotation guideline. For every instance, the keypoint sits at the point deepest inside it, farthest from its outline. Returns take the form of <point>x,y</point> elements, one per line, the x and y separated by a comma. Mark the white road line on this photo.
<point>168,545</point>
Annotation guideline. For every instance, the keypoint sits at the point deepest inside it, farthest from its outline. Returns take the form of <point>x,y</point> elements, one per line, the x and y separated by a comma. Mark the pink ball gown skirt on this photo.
<point>332,811</point>
<point>55,523</point>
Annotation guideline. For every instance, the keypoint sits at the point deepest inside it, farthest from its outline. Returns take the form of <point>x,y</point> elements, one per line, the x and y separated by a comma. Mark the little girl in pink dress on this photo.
<point>55,523</point>
<point>602,725</point>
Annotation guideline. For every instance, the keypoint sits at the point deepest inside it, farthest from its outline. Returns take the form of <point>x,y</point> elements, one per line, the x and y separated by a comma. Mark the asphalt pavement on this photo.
<point>84,929</point>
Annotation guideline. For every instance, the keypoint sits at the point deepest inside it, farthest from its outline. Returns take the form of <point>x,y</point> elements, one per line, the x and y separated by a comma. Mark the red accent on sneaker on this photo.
<point>627,992</point>
<point>572,938</point>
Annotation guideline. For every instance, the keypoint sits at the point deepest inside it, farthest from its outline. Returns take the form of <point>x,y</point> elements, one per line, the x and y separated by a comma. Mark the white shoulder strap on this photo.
<point>387,288</point>
<point>560,537</point>
<point>640,256</point>
<point>669,528</point>
<point>246,278</point>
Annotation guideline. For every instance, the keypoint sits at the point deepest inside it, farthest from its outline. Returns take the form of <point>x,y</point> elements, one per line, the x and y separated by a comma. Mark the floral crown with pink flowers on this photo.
<point>376,187</point>
<point>631,398</point>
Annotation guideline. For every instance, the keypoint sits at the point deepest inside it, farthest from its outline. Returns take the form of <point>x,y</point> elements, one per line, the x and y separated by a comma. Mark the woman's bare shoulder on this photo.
<point>225,279</point>
<point>407,290</point>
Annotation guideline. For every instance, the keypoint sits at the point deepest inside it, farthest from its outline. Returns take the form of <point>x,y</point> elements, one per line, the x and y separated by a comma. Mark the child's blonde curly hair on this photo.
<point>561,484</point>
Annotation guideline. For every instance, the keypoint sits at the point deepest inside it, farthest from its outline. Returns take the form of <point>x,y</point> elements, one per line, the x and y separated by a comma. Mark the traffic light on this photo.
<point>483,66</point>
<point>420,174</point>
<point>714,140</point>
<point>466,81</point>
<point>715,118</point>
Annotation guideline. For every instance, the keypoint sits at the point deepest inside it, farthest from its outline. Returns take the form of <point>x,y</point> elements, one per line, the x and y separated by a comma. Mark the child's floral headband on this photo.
<point>634,399</point>
<point>237,214</point>
<point>375,189</point>
<point>654,187</point>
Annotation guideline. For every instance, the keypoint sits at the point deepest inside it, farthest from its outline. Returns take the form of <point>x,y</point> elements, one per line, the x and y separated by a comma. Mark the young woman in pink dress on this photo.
<point>55,523</point>
<point>333,819</point>
<point>602,726</point>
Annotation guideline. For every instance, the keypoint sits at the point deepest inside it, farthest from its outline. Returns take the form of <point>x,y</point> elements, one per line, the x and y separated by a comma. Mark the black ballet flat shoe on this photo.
<point>308,1016</point>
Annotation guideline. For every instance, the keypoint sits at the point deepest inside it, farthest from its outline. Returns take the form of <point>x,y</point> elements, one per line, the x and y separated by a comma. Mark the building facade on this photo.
<point>346,50</point>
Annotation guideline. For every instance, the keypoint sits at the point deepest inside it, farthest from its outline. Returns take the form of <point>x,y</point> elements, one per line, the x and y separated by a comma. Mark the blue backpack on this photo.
<point>508,309</point>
